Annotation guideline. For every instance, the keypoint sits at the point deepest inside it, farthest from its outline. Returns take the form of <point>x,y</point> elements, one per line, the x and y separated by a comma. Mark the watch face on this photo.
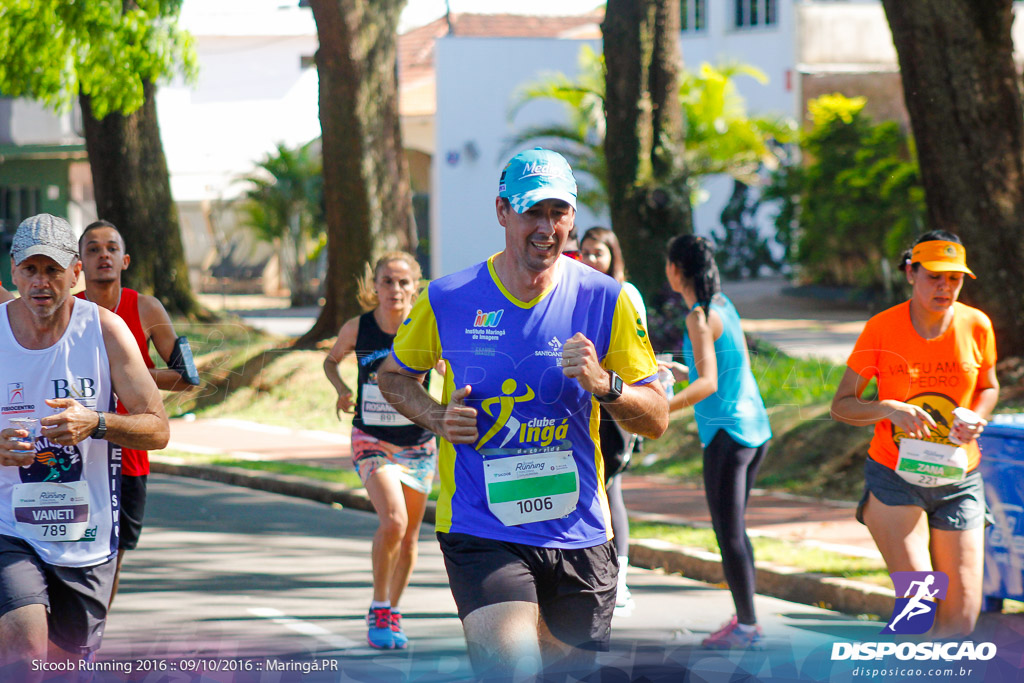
<point>616,384</point>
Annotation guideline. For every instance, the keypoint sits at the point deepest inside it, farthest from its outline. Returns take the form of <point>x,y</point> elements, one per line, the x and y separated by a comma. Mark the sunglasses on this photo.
<point>573,254</point>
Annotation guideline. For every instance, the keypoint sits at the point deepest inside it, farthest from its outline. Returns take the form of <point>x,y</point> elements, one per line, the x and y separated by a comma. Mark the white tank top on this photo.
<point>66,503</point>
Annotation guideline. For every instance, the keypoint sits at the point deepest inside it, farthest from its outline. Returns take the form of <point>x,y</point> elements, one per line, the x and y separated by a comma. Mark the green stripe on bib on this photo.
<point>508,491</point>
<point>930,469</point>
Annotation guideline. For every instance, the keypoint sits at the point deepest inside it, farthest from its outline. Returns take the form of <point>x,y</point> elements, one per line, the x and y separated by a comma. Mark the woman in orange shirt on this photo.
<point>923,501</point>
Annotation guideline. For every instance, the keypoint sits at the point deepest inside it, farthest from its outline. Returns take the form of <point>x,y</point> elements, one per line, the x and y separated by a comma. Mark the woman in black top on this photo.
<point>395,458</point>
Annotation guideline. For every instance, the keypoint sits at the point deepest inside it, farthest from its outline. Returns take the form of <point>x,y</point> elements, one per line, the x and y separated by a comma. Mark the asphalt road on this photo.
<point>231,584</point>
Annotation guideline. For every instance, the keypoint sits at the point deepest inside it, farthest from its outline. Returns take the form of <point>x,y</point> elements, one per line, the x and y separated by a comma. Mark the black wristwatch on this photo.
<point>616,389</point>
<point>101,428</point>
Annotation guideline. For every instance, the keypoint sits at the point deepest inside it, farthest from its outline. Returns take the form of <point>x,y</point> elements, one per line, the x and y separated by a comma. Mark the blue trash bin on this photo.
<point>1002,468</point>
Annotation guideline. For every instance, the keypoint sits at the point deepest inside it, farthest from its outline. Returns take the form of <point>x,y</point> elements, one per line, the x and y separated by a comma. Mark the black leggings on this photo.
<point>729,471</point>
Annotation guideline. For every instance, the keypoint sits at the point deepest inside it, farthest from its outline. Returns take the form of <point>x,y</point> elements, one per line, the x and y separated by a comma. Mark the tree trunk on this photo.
<point>963,94</point>
<point>367,196</point>
<point>133,191</point>
<point>649,198</point>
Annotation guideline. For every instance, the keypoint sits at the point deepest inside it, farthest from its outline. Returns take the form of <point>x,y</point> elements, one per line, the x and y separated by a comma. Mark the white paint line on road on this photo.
<point>304,627</point>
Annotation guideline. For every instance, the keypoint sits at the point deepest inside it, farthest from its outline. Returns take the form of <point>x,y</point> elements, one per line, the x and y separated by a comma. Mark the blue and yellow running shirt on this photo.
<point>509,352</point>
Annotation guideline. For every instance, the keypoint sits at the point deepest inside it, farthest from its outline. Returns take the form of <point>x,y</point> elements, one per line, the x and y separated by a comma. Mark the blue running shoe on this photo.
<point>380,635</point>
<point>396,630</point>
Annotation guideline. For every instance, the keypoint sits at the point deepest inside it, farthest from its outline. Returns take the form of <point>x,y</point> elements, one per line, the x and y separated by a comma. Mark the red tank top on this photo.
<point>134,463</point>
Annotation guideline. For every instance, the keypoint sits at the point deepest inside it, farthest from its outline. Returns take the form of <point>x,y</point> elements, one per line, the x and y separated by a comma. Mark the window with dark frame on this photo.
<point>18,203</point>
<point>753,13</point>
<point>692,15</point>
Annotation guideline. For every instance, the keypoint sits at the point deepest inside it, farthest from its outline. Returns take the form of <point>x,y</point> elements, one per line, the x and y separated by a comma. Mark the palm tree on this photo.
<point>720,136</point>
<point>284,207</point>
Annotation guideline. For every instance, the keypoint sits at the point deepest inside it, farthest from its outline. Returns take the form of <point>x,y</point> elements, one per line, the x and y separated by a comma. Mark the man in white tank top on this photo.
<point>62,360</point>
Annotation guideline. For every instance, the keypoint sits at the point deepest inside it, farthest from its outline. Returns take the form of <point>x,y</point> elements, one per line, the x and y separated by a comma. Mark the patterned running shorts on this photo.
<point>416,464</point>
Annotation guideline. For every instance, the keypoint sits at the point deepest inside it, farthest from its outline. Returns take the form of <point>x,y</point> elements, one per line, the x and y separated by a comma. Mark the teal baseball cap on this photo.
<point>535,175</point>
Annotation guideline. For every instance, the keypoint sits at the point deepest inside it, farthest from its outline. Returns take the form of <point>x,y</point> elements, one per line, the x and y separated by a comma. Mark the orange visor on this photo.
<point>941,257</point>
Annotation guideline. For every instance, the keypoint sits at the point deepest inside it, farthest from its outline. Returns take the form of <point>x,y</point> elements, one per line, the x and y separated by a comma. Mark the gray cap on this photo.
<point>45,235</point>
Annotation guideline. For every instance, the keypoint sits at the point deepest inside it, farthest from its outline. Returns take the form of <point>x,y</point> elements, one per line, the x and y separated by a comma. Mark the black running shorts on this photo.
<point>574,588</point>
<point>133,509</point>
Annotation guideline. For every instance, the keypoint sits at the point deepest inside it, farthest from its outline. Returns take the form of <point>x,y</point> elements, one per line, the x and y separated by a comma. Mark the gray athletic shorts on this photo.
<point>75,597</point>
<point>953,507</point>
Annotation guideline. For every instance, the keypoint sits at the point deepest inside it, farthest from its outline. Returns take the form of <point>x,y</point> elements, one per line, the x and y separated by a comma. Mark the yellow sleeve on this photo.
<point>417,344</point>
<point>629,351</point>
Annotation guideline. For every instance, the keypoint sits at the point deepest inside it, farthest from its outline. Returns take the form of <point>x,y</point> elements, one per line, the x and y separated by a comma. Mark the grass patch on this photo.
<point>289,390</point>
<point>773,550</point>
<point>227,354</point>
<point>797,393</point>
<point>250,375</point>
<point>788,381</point>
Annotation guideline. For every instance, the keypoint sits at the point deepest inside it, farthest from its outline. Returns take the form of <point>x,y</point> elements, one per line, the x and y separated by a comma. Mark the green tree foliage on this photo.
<point>721,137</point>
<point>581,139</point>
<point>285,207</point>
<point>51,50</point>
<point>855,203</point>
<point>110,54</point>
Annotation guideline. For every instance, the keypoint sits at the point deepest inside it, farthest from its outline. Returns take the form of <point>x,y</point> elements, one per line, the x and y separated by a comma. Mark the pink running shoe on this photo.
<point>729,637</point>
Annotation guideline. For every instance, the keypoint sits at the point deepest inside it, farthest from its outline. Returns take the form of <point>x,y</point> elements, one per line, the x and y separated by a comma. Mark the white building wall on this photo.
<point>34,123</point>
<point>476,83</point>
<point>852,34</point>
<point>772,49</point>
<point>251,94</point>
<point>857,32</point>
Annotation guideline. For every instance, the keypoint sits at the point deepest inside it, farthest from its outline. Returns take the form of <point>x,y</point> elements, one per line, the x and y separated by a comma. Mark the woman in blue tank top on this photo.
<point>731,420</point>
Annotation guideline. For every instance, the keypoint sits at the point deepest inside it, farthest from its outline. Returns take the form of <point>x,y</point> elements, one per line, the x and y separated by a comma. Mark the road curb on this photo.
<point>787,583</point>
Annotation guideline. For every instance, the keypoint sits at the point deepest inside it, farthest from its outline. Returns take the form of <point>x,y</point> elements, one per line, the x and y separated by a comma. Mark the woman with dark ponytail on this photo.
<point>731,420</point>
<point>934,360</point>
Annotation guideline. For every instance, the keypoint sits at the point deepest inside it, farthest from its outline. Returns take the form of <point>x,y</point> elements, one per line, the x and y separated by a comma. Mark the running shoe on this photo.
<point>380,635</point>
<point>729,637</point>
<point>396,630</point>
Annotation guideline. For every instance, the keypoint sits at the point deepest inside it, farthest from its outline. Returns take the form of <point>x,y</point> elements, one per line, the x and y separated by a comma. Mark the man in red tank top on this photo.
<point>104,258</point>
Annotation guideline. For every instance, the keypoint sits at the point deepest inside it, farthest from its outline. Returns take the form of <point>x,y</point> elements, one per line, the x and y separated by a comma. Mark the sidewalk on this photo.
<point>649,498</point>
<point>823,524</point>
